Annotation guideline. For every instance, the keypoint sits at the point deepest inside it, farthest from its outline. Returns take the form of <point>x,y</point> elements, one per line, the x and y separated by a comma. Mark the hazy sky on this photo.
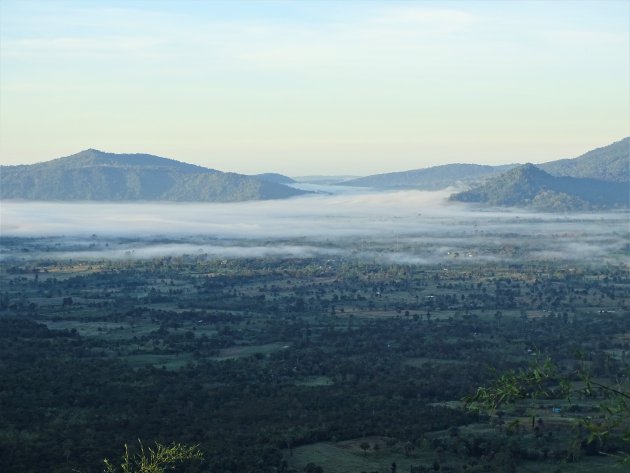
<point>314,87</point>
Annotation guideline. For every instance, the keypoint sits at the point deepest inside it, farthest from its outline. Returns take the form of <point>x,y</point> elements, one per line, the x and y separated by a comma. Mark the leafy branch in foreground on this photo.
<point>154,460</point>
<point>543,380</point>
<point>540,380</point>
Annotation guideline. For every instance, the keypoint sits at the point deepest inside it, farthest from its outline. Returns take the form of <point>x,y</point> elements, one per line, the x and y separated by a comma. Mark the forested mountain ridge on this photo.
<point>100,176</point>
<point>433,178</point>
<point>274,177</point>
<point>530,186</point>
<point>608,163</point>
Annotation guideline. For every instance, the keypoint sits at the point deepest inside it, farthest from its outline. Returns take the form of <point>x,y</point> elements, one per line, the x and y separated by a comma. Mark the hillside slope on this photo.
<point>433,178</point>
<point>96,175</point>
<point>608,163</point>
<point>529,186</point>
<point>274,177</point>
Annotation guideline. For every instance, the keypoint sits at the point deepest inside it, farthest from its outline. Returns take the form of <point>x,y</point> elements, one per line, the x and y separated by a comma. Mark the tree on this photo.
<point>409,447</point>
<point>154,460</point>
<point>313,468</point>
<point>543,380</point>
<point>365,447</point>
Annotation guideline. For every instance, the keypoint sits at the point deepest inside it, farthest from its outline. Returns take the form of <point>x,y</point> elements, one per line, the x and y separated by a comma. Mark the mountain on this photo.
<point>608,163</point>
<point>96,175</point>
<point>274,177</point>
<point>325,180</point>
<point>529,186</point>
<point>433,178</point>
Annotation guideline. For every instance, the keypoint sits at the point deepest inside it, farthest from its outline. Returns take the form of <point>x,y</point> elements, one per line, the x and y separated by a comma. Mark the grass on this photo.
<point>584,465</point>
<point>421,361</point>
<point>248,350</point>
<point>315,381</point>
<point>106,330</point>
<point>348,457</point>
<point>170,362</point>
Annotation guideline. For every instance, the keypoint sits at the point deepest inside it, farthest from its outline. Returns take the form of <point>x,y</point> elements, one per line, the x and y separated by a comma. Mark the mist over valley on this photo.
<point>405,227</point>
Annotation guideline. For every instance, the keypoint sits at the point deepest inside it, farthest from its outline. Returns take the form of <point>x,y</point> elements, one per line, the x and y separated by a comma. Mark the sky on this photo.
<point>314,87</point>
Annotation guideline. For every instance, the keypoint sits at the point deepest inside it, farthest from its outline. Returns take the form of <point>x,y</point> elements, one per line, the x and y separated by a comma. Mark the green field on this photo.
<point>348,457</point>
<point>249,350</point>
<point>248,357</point>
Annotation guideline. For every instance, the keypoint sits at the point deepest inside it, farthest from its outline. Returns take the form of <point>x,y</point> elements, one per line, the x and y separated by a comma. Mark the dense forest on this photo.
<point>312,364</point>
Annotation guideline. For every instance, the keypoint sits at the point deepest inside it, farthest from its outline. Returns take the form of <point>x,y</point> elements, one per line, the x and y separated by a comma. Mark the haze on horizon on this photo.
<point>314,88</point>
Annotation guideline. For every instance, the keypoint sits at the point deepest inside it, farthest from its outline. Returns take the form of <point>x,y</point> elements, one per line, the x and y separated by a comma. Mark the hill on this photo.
<point>325,180</point>
<point>529,186</point>
<point>274,177</point>
<point>608,163</point>
<point>433,178</point>
<point>96,175</point>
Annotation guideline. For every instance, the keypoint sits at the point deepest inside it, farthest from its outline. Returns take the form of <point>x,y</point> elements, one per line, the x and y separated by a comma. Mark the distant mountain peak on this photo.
<point>95,157</point>
<point>432,178</point>
<point>274,177</point>
<point>530,186</point>
<point>608,163</point>
<point>90,152</point>
<point>92,174</point>
<point>529,167</point>
<point>528,170</point>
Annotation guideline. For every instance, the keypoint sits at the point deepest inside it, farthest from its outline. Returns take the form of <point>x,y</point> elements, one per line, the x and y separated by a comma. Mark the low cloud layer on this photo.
<point>410,227</point>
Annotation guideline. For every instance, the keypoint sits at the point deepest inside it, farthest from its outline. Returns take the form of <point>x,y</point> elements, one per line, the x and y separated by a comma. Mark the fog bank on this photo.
<point>413,227</point>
